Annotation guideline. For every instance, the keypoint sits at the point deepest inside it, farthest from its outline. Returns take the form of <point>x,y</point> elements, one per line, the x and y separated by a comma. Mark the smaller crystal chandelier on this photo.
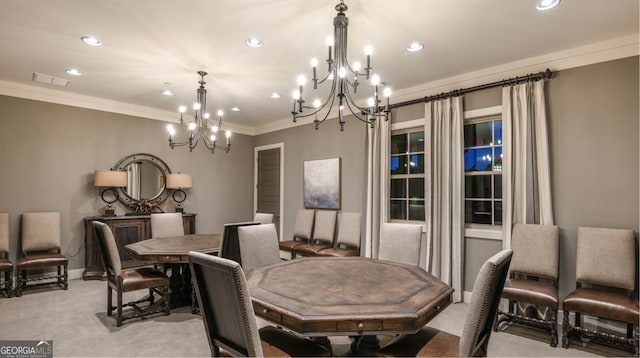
<point>200,127</point>
<point>344,79</point>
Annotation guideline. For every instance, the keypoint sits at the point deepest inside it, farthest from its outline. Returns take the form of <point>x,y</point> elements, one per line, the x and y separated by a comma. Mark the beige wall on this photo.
<point>593,130</point>
<point>48,153</point>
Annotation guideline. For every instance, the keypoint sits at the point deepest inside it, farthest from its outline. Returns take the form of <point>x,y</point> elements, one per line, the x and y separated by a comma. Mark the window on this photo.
<point>483,171</point>
<point>407,169</point>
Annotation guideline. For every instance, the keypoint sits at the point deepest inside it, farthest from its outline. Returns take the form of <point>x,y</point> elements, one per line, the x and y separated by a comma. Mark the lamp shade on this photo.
<point>179,181</point>
<point>110,178</point>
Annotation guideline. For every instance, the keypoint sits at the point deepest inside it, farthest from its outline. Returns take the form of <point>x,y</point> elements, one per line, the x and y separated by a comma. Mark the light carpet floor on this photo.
<point>77,323</point>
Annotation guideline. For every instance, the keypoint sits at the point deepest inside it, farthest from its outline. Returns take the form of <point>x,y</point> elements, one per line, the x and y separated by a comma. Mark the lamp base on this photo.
<point>109,212</point>
<point>179,210</point>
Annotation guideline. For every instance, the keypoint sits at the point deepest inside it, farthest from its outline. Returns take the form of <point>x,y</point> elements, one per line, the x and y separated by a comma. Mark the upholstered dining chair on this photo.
<point>166,224</point>
<point>348,239</point>
<point>6,266</point>
<point>229,318</point>
<point>533,280</point>
<point>477,328</point>
<point>258,246</point>
<point>40,240</point>
<point>263,218</point>
<point>400,243</point>
<point>606,265</point>
<point>302,231</point>
<point>323,234</point>
<point>122,281</point>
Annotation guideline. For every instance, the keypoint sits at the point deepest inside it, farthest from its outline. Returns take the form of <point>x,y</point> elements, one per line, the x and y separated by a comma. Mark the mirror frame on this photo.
<point>144,205</point>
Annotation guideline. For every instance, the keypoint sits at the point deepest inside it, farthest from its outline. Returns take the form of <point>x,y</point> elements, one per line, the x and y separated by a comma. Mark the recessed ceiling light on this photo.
<point>90,40</point>
<point>547,4</point>
<point>73,72</point>
<point>167,93</point>
<point>254,42</point>
<point>415,46</point>
<point>275,95</point>
<point>235,109</point>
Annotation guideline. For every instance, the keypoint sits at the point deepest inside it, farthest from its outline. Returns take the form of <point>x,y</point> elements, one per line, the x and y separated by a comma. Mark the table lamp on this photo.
<point>110,180</point>
<point>179,182</point>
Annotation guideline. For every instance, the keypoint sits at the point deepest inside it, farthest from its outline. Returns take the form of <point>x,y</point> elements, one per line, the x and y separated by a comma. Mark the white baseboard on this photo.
<point>75,274</point>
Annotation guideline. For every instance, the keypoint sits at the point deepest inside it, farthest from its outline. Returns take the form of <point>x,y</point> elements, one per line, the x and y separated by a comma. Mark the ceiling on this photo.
<point>152,45</point>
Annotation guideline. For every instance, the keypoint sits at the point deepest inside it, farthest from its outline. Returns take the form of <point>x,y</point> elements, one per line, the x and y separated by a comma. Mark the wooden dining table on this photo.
<point>174,251</point>
<point>354,296</point>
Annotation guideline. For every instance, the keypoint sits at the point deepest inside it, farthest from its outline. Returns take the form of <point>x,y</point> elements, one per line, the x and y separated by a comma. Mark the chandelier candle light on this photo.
<point>200,127</point>
<point>344,79</point>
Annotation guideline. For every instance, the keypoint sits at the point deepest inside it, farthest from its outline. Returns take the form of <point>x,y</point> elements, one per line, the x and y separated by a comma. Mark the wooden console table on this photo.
<point>126,230</point>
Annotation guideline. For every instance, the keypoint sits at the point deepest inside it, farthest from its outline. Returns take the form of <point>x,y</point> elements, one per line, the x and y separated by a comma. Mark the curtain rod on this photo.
<point>505,82</point>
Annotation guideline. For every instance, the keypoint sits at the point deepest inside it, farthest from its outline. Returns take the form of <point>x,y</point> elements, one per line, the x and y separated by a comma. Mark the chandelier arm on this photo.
<point>326,114</point>
<point>331,96</point>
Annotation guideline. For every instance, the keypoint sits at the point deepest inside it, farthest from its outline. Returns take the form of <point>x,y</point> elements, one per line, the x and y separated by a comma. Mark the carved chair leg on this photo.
<point>554,327</point>
<point>565,329</point>
<point>109,301</point>
<point>119,309</point>
<point>167,296</point>
<point>66,277</point>
<point>636,338</point>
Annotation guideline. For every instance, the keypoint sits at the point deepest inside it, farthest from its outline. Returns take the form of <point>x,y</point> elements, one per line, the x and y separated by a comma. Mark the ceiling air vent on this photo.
<point>50,80</point>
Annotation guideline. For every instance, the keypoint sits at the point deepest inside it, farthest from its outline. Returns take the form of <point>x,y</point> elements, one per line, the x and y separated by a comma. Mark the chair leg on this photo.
<point>636,338</point>
<point>167,297</point>
<point>119,309</point>
<point>554,328</point>
<point>565,329</point>
<point>109,301</point>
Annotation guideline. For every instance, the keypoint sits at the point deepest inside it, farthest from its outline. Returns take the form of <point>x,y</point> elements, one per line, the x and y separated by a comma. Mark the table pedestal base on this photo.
<point>180,286</point>
<point>364,346</point>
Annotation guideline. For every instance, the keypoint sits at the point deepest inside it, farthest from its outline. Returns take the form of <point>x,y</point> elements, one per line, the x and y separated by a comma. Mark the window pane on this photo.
<point>478,134</point>
<point>497,212</point>
<point>416,210</point>
<point>398,188</point>
<point>398,164</point>
<point>477,212</point>
<point>416,188</point>
<point>497,182</point>
<point>399,144</point>
<point>398,209</point>
<point>497,163</point>
<point>477,186</point>
<point>416,142</point>
<point>497,132</point>
<point>416,164</point>
<point>477,159</point>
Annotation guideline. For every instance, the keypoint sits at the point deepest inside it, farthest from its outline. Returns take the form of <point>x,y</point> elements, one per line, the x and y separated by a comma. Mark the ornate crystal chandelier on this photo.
<point>344,80</point>
<point>200,127</point>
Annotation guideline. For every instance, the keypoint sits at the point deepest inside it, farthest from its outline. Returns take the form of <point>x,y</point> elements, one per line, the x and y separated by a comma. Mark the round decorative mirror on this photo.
<point>146,182</point>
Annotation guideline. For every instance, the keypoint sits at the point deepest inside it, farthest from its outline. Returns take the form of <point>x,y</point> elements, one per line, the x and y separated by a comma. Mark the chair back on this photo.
<point>400,243</point>
<point>108,248</point>
<point>483,307</point>
<point>258,246</point>
<point>536,250</point>
<point>349,230</point>
<point>225,304</point>
<point>606,257</point>
<point>263,218</point>
<point>40,231</point>
<point>166,224</point>
<point>4,233</point>
<point>325,226</point>
<point>229,247</point>
<point>303,228</point>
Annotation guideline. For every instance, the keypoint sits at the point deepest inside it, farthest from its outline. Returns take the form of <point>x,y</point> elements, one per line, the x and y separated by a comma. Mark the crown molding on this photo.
<point>575,57</point>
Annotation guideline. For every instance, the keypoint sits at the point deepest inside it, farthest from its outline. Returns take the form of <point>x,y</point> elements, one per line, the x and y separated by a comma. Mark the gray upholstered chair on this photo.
<point>229,318</point>
<point>606,265</point>
<point>258,246</point>
<point>348,239</point>
<point>166,224</point>
<point>532,289</point>
<point>481,312</point>
<point>323,234</point>
<point>302,231</point>
<point>40,240</point>
<point>122,281</point>
<point>6,266</point>
<point>400,243</point>
<point>263,218</point>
